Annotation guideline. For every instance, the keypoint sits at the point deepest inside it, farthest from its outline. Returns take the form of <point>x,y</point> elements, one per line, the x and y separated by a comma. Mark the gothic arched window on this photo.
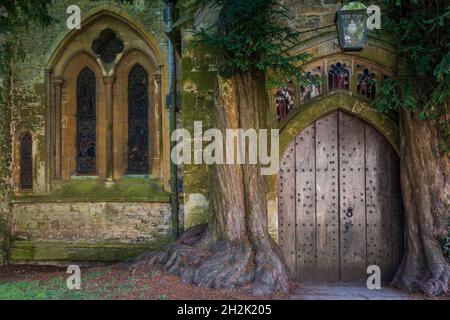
<point>86,123</point>
<point>26,162</point>
<point>138,108</point>
<point>366,84</point>
<point>339,77</point>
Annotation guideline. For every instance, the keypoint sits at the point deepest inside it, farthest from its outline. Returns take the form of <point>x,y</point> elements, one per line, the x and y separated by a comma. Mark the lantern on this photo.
<point>352,26</point>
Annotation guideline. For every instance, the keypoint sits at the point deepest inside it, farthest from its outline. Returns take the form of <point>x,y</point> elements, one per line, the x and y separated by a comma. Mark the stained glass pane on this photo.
<point>339,77</point>
<point>313,89</point>
<point>86,123</point>
<point>138,108</point>
<point>26,162</point>
<point>284,102</point>
<point>366,84</point>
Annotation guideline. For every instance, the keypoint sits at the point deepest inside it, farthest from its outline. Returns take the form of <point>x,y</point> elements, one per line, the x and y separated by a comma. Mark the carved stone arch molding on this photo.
<point>320,107</point>
<point>130,43</point>
<point>98,17</point>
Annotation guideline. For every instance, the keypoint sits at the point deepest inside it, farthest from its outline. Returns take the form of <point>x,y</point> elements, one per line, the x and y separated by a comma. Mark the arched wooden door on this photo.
<point>339,201</point>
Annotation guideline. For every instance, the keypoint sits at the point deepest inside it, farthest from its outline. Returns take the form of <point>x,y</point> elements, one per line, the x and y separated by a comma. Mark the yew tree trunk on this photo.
<point>235,248</point>
<point>239,192</point>
<point>426,190</point>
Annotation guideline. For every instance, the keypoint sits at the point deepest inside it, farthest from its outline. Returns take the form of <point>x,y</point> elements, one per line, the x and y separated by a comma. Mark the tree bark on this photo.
<point>426,190</point>
<point>235,248</point>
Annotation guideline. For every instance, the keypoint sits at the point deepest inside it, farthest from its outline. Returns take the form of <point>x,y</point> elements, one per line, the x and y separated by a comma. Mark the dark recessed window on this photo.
<point>107,46</point>
<point>138,108</point>
<point>86,123</point>
<point>26,162</point>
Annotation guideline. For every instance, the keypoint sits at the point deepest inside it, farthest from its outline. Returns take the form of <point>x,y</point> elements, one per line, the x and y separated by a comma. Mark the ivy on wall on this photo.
<point>14,14</point>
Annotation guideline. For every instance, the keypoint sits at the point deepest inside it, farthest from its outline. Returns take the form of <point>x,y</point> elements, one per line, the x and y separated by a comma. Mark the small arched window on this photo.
<point>312,89</point>
<point>339,77</point>
<point>366,84</point>
<point>138,109</point>
<point>26,162</point>
<point>86,123</point>
<point>284,99</point>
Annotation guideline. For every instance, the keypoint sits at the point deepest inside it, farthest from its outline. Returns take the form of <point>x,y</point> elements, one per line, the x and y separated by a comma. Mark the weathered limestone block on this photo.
<point>124,222</point>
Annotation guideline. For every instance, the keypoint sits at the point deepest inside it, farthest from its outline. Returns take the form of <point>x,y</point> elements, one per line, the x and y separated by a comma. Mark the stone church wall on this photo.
<point>79,221</point>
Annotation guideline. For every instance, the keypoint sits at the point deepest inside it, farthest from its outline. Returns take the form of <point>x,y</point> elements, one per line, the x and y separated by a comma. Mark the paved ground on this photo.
<point>322,291</point>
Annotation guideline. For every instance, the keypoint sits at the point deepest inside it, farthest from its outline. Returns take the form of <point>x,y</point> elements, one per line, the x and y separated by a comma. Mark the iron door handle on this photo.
<point>349,213</point>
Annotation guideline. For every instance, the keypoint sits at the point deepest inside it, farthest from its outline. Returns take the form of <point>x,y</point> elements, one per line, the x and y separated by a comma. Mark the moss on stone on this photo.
<point>23,251</point>
<point>97,190</point>
<point>199,78</point>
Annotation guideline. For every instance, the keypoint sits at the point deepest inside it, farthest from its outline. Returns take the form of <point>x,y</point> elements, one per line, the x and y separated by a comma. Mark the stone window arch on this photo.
<point>26,161</point>
<point>80,135</point>
<point>136,116</point>
<point>109,46</point>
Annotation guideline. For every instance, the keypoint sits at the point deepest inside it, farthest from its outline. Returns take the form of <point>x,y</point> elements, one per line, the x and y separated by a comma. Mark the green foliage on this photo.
<point>23,12</point>
<point>252,36</point>
<point>422,81</point>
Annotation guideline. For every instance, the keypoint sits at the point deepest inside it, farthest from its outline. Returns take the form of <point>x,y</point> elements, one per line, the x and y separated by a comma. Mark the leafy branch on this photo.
<point>422,81</point>
<point>252,36</point>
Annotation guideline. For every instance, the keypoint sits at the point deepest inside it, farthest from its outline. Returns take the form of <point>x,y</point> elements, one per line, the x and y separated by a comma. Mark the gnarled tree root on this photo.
<point>428,273</point>
<point>223,265</point>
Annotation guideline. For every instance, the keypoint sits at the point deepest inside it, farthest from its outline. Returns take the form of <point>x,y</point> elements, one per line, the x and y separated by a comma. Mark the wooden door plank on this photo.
<point>286,208</point>
<point>352,198</point>
<point>305,203</point>
<point>379,202</point>
<point>327,210</point>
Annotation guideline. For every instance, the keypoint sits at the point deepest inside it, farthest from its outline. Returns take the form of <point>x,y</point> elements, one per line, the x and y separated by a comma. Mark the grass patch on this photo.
<point>92,288</point>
